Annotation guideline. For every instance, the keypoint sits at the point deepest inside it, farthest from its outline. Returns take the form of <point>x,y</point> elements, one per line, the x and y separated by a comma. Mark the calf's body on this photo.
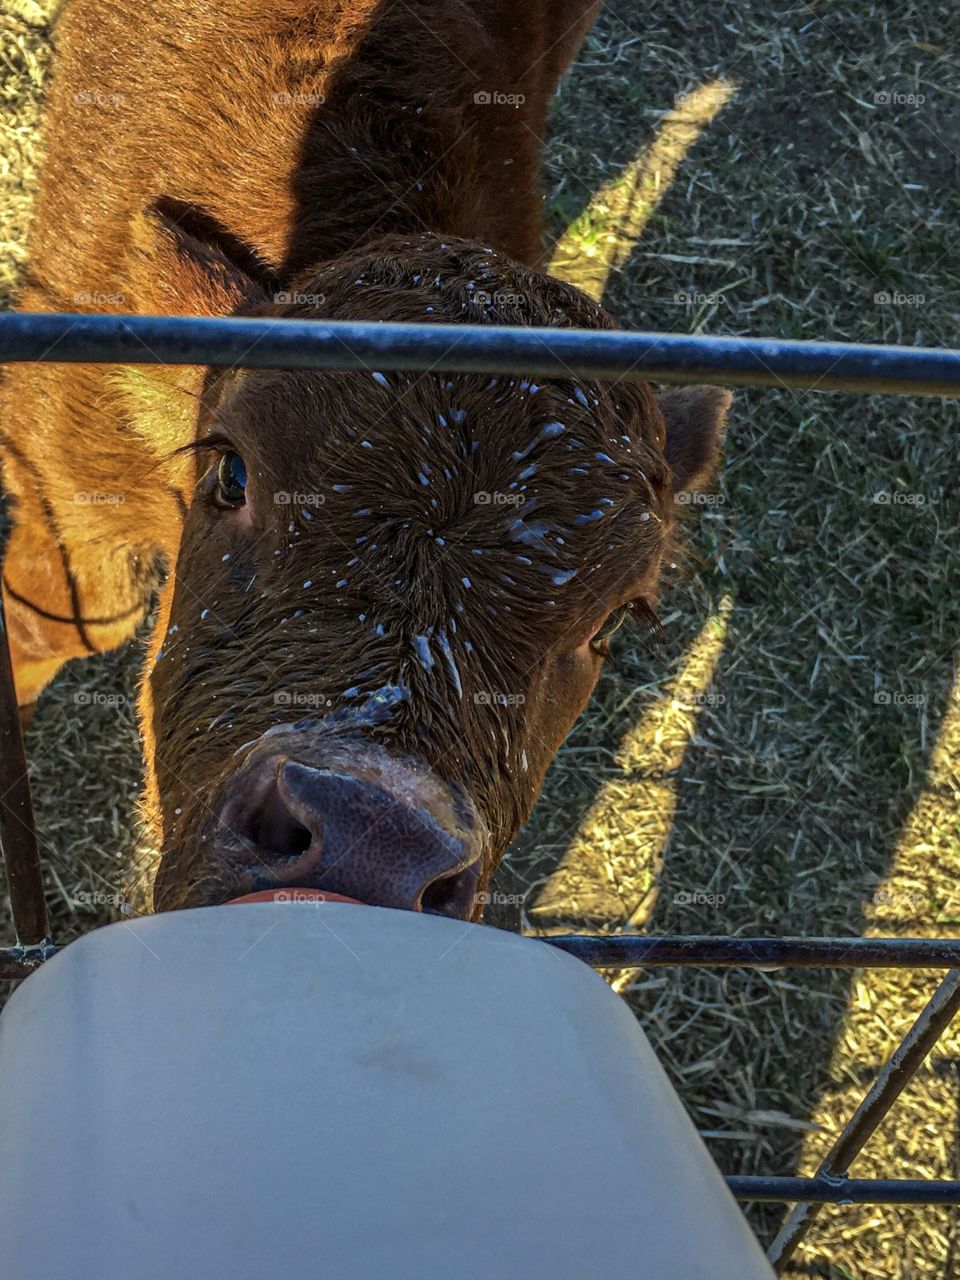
<point>361,668</point>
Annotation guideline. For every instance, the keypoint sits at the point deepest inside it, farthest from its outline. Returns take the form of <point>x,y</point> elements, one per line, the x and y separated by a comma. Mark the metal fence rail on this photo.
<point>827,1190</point>
<point>561,353</point>
<point>679,950</point>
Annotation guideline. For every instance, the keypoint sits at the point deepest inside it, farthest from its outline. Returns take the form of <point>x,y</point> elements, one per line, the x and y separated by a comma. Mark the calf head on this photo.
<point>394,591</point>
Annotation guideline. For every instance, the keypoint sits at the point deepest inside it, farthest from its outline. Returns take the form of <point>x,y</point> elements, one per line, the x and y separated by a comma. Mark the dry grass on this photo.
<point>751,760</point>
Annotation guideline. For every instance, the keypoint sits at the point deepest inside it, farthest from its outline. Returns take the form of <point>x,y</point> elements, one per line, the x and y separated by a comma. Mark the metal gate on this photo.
<point>823,366</point>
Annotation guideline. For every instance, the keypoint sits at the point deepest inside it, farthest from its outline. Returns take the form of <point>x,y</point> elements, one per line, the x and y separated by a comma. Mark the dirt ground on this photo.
<point>787,763</point>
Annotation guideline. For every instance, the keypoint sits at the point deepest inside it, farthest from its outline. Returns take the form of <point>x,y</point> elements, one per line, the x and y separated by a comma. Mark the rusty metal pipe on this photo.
<point>18,835</point>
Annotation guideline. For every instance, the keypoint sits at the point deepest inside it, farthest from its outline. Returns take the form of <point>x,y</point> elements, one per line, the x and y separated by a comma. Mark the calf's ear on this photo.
<point>196,267</point>
<point>185,265</point>
<point>695,418</point>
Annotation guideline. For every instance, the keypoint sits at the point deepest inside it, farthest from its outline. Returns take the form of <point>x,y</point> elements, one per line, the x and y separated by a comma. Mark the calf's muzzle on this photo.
<point>377,828</point>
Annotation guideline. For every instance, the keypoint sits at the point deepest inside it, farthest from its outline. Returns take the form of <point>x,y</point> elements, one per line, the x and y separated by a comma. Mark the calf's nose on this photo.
<point>323,828</point>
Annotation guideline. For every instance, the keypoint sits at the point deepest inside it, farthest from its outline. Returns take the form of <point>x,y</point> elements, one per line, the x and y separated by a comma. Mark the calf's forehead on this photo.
<point>438,504</point>
<point>444,432</point>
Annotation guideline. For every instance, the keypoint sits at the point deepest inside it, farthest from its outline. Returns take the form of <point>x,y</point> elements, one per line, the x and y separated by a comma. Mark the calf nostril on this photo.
<point>451,895</point>
<point>274,830</point>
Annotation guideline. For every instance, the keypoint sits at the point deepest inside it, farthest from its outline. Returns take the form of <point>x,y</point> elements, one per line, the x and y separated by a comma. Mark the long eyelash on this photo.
<point>642,613</point>
<point>213,443</point>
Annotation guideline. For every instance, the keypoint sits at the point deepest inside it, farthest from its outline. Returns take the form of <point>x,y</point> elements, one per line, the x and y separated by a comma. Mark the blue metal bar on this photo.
<point>625,951</point>
<point>845,1190</point>
<point>324,344</point>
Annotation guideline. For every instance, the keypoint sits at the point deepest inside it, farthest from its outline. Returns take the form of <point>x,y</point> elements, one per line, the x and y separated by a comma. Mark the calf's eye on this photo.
<point>600,640</point>
<point>231,484</point>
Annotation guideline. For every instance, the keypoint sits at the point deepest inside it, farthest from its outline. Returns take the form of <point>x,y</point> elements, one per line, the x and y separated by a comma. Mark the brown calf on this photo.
<point>383,598</point>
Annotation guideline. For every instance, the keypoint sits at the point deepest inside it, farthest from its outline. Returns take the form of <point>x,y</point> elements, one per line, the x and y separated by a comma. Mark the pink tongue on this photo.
<point>294,895</point>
